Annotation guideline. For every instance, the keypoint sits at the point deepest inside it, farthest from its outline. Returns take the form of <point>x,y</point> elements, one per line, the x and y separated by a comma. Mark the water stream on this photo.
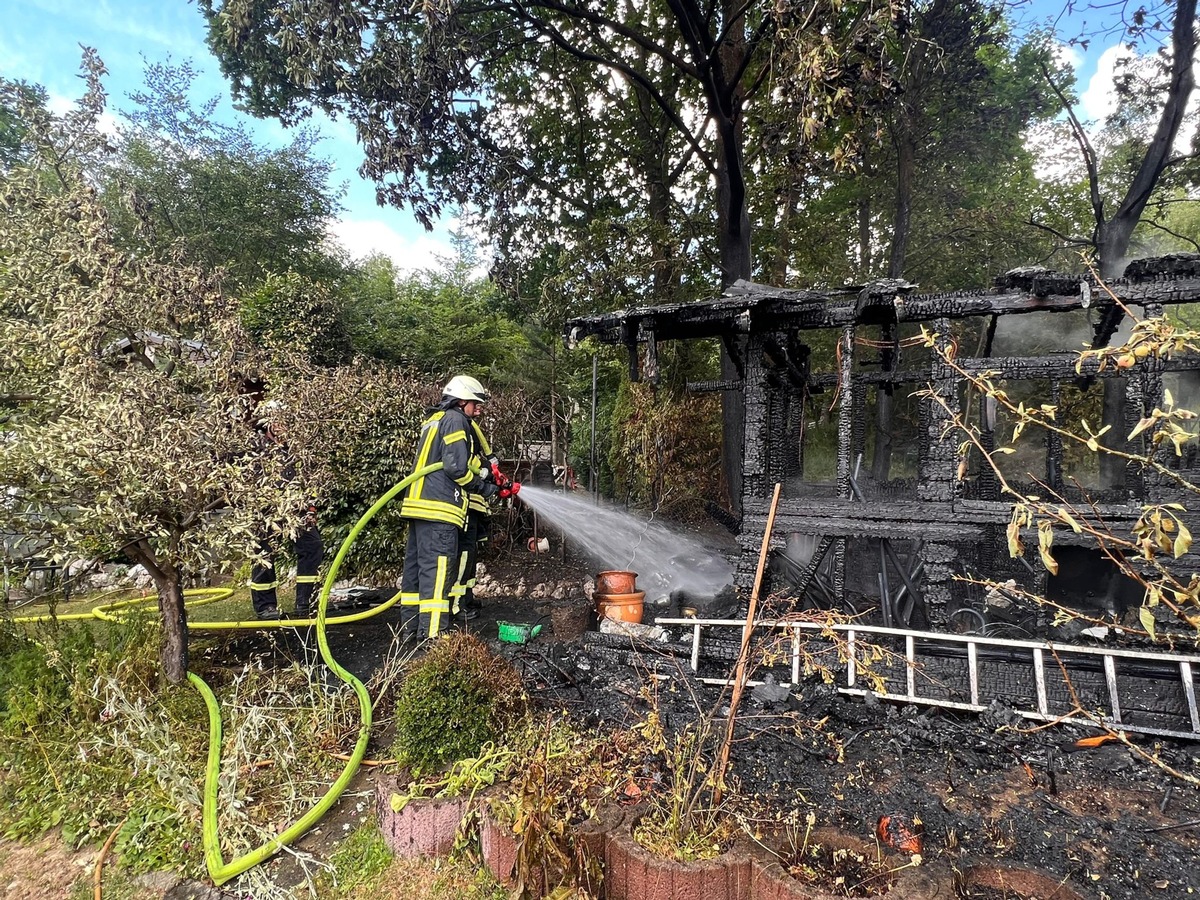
<point>665,559</point>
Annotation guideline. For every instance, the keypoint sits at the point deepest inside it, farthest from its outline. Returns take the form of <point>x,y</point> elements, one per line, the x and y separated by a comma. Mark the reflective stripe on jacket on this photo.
<point>476,501</point>
<point>441,496</point>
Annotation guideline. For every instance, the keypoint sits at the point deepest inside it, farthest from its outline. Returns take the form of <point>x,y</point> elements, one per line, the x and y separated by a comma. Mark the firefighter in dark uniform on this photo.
<point>479,508</point>
<point>436,507</point>
<point>308,546</point>
<point>264,581</point>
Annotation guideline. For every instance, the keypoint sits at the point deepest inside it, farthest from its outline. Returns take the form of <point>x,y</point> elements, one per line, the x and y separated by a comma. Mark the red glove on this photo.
<point>498,477</point>
<point>511,490</point>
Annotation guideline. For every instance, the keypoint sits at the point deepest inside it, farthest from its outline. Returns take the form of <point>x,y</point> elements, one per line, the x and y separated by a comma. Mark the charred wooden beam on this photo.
<point>747,306</point>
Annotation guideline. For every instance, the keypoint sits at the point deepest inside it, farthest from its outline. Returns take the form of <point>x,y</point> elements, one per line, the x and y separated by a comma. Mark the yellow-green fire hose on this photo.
<point>218,869</point>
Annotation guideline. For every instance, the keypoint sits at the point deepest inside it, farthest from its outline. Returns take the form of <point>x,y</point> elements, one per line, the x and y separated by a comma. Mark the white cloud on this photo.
<point>59,105</point>
<point>1099,99</point>
<point>363,237</point>
<point>1069,55</point>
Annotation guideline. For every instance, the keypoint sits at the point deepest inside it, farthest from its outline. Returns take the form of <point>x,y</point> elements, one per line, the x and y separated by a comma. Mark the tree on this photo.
<point>434,321</point>
<point>12,128</point>
<point>298,314</point>
<point>133,395</point>
<point>430,90</point>
<point>112,364</point>
<point>182,179</point>
<point>1155,96</point>
<point>955,134</point>
<point>426,86</point>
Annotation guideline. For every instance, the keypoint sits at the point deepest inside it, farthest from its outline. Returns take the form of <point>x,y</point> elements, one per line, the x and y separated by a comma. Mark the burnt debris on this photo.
<point>878,511</point>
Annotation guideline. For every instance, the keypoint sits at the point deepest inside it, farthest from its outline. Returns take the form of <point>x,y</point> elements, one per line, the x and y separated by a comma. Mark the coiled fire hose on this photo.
<point>219,870</point>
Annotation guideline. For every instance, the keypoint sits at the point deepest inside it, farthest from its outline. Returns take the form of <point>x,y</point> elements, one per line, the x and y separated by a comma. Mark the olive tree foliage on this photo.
<point>12,128</point>
<point>130,426</point>
<point>115,439</point>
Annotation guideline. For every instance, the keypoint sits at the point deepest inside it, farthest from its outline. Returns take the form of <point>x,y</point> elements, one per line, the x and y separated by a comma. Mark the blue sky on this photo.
<point>39,42</point>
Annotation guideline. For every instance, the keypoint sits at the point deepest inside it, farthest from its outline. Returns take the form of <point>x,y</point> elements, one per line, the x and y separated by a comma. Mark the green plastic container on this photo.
<point>514,633</point>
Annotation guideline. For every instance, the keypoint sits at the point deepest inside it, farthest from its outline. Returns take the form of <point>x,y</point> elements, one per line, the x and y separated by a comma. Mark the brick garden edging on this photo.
<point>428,827</point>
<point>633,873</point>
<point>424,827</point>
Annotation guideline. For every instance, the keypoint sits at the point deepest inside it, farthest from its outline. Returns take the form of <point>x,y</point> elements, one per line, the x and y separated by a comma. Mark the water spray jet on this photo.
<point>666,562</point>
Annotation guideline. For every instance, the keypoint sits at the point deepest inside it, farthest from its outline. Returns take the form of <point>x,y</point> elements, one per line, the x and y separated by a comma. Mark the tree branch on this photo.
<point>1085,148</point>
<point>556,36</point>
<point>580,13</point>
<point>1183,45</point>
<point>1175,234</point>
<point>1072,241</point>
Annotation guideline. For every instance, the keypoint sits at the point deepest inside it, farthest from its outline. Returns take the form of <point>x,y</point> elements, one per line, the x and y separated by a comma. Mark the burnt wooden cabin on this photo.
<point>869,520</point>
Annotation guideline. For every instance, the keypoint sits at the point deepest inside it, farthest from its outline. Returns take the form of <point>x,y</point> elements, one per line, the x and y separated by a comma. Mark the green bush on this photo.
<point>32,693</point>
<point>455,699</point>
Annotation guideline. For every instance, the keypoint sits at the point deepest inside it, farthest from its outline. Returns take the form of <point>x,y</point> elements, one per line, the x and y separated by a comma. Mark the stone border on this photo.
<point>428,827</point>
<point>425,826</point>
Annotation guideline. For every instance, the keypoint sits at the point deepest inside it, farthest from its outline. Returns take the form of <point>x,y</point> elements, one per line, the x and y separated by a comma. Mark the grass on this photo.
<point>231,609</point>
<point>424,879</point>
<point>89,737</point>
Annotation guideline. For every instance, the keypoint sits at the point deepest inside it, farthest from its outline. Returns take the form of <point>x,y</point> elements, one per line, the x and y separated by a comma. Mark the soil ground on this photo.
<point>1107,823</point>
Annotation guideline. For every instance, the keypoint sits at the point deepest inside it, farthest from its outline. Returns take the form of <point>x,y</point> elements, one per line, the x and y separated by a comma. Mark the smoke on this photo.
<point>1047,333</point>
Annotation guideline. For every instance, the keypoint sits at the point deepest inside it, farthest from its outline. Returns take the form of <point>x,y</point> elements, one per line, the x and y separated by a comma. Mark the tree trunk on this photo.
<point>652,133</point>
<point>783,236</point>
<point>864,235</point>
<point>169,583</point>
<point>1114,236</point>
<point>906,162</point>
<point>733,216</point>
<point>725,98</point>
<point>885,416</point>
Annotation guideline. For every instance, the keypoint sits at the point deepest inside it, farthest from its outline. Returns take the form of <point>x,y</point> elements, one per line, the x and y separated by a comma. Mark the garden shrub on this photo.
<point>32,693</point>
<point>456,698</point>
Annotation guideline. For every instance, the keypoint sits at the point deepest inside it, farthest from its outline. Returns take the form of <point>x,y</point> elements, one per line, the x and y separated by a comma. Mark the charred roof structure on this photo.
<point>878,510</point>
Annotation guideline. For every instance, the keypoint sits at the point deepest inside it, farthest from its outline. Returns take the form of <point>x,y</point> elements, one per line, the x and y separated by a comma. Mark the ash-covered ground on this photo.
<point>987,788</point>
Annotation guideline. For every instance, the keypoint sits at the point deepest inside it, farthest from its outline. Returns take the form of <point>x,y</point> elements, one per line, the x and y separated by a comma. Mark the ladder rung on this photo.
<point>1039,676</point>
<point>1189,692</point>
<point>1110,676</point>
<point>851,674</point>
<point>910,653</point>
<point>973,671</point>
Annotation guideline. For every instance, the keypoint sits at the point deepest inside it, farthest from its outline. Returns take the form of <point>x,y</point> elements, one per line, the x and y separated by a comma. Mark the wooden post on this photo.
<point>740,671</point>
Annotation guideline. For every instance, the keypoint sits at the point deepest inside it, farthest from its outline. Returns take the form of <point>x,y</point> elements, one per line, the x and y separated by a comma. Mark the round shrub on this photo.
<point>456,698</point>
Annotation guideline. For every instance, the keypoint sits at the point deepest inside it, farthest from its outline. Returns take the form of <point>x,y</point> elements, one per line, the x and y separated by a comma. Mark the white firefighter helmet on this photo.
<point>464,387</point>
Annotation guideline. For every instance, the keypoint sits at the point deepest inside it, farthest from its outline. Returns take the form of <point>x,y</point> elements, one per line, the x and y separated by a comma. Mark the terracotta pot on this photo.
<point>616,582</point>
<point>622,607</point>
